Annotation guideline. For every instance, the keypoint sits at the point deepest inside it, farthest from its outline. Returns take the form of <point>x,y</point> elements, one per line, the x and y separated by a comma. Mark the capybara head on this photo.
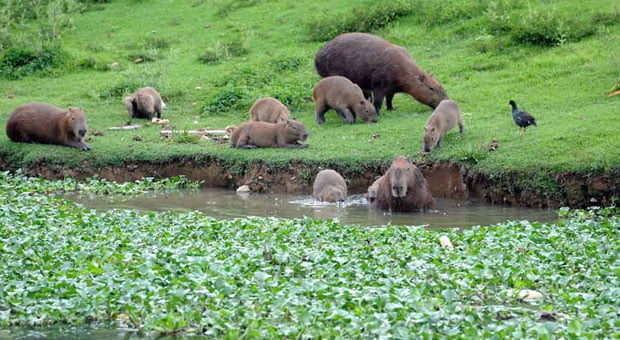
<point>295,131</point>
<point>76,123</point>
<point>401,172</point>
<point>332,194</point>
<point>429,91</point>
<point>431,135</point>
<point>366,111</point>
<point>371,195</point>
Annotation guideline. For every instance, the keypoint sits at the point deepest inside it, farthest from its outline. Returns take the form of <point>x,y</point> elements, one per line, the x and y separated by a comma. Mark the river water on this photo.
<point>226,204</point>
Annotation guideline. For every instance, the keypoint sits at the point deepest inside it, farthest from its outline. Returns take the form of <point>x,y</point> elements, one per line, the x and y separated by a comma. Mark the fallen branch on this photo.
<point>125,127</point>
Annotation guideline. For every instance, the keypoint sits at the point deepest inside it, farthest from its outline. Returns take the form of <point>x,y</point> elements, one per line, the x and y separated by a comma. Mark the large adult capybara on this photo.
<point>329,186</point>
<point>444,118</point>
<point>144,103</point>
<point>403,189</point>
<point>250,135</point>
<point>340,94</point>
<point>269,110</point>
<point>371,193</point>
<point>378,67</point>
<point>47,124</point>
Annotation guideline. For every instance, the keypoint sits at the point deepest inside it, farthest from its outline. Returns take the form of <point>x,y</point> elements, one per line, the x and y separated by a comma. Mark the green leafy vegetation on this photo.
<point>272,278</point>
<point>92,186</point>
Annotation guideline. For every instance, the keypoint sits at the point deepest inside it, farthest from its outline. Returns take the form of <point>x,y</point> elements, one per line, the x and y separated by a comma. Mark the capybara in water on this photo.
<point>329,186</point>
<point>144,103</point>
<point>47,124</point>
<point>269,110</point>
<point>445,117</point>
<point>371,193</point>
<point>250,135</point>
<point>403,188</point>
<point>378,67</point>
<point>340,94</point>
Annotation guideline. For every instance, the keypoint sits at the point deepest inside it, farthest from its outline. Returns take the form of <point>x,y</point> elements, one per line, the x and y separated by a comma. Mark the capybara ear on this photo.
<point>422,77</point>
<point>288,122</point>
<point>361,102</point>
<point>433,129</point>
<point>425,128</point>
<point>408,159</point>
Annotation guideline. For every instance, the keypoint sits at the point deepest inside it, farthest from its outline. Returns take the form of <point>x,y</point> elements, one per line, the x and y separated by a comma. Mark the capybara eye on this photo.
<point>431,88</point>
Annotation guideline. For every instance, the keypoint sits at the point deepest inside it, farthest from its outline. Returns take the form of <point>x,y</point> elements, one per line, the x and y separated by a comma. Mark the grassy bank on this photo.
<point>271,278</point>
<point>212,59</point>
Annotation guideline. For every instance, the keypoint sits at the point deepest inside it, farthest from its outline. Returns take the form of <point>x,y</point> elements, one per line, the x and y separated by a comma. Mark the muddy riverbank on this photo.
<point>447,180</point>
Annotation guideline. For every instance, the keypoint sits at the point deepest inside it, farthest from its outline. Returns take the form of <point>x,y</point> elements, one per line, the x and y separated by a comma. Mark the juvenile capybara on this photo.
<point>378,67</point>
<point>250,135</point>
<point>340,94</point>
<point>144,103</point>
<point>329,186</point>
<point>403,188</point>
<point>269,110</point>
<point>444,118</point>
<point>371,193</point>
<point>47,124</point>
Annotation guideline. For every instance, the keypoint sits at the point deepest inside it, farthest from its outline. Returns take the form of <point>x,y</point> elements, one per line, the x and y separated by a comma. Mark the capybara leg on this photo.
<point>388,101</point>
<point>78,145</point>
<point>347,115</point>
<point>320,113</point>
<point>367,95</point>
<point>158,111</point>
<point>460,127</point>
<point>295,145</point>
<point>248,146</point>
<point>439,141</point>
<point>378,101</point>
<point>149,116</point>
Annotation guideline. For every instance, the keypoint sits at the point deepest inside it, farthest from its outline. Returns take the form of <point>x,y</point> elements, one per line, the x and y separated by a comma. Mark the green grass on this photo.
<point>484,54</point>
<point>63,264</point>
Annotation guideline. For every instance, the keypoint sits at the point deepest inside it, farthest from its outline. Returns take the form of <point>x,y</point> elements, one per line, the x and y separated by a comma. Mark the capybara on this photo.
<point>371,193</point>
<point>269,110</point>
<point>403,188</point>
<point>445,117</point>
<point>329,186</point>
<point>378,67</point>
<point>144,103</point>
<point>340,94</point>
<point>250,135</point>
<point>47,124</point>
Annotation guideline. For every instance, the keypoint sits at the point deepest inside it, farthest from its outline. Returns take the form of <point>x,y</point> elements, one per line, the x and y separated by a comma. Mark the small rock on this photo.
<point>593,200</point>
<point>97,133</point>
<point>131,167</point>
<point>198,88</point>
<point>195,122</point>
<point>205,138</point>
<point>138,60</point>
<point>243,189</point>
<point>528,295</point>
<point>260,178</point>
<point>445,242</point>
<point>494,145</point>
<point>208,25</point>
<point>111,35</point>
<point>137,138</point>
<point>113,65</point>
<point>11,95</point>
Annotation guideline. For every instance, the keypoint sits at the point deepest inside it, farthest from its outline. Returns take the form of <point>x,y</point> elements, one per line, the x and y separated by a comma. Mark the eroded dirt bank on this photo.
<point>447,180</point>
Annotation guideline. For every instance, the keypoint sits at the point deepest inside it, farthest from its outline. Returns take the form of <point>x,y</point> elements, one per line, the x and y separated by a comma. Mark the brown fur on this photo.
<point>269,110</point>
<point>267,135</point>
<point>371,193</point>
<point>329,186</point>
<point>445,117</point>
<point>403,189</point>
<point>378,67</point>
<point>144,103</point>
<point>340,94</point>
<point>47,124</point>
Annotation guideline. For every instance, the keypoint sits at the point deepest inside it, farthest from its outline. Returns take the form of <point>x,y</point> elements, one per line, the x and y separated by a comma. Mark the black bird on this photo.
<point>522,118</point>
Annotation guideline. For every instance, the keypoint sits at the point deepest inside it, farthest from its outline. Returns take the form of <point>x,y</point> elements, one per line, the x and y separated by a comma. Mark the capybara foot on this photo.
<point>248,146</point>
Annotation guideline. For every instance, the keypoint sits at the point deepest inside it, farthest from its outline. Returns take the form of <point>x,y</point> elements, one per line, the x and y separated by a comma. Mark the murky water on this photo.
<point>226,204</point>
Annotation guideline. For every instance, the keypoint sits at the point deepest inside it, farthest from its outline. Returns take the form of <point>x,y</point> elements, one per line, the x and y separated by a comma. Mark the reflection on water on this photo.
<point>226,204</point>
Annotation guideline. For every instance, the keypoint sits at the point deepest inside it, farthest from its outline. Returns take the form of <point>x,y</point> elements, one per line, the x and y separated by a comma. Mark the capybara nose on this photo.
<point>397,190</point>
<point>427,149</point>
<point>82,133</point>
<point>371,199</point>
<point>305,136</point>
